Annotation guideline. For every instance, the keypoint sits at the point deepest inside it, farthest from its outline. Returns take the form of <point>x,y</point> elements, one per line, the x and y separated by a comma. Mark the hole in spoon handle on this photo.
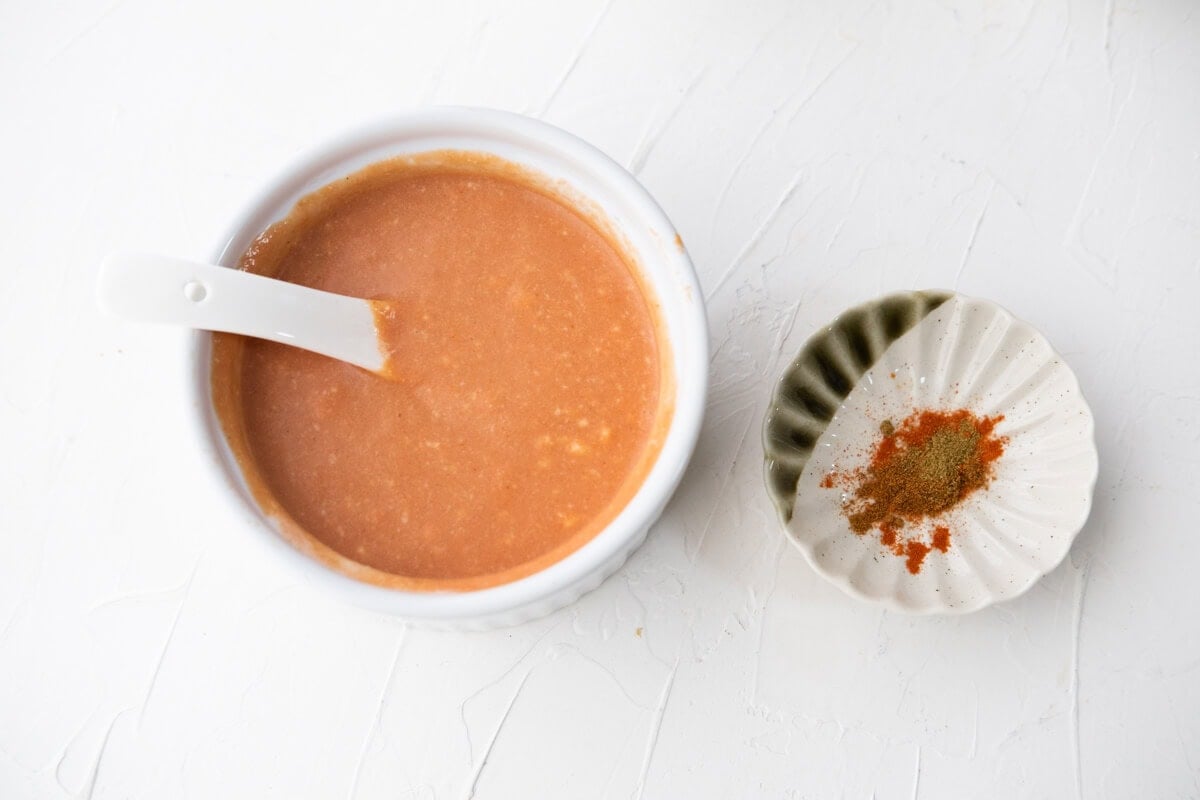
<point>195,291</point>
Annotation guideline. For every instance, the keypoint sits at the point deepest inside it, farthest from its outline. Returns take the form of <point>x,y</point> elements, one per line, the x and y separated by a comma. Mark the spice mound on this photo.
<point>918,471</point>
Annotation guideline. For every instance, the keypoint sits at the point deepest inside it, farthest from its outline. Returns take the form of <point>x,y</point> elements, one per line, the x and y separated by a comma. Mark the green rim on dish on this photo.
<point>821,376</point>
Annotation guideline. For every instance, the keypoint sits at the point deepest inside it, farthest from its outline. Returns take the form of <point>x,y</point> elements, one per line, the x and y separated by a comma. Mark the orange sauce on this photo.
<point>529,398</point>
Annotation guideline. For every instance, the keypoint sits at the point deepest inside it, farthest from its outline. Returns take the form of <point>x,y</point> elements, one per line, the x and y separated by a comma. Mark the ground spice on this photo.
<point>916,552</point>
<point>941,538</point>
<point>919,470</point>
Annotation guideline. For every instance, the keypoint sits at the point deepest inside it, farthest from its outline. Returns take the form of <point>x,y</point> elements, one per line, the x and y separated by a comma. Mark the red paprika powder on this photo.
<point>918,471</point>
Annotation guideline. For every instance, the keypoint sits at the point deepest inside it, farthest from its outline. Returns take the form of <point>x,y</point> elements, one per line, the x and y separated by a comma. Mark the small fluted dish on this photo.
<point>889,358</point>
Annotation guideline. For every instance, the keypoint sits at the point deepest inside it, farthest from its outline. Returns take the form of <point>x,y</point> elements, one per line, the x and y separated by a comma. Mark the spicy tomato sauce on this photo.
<point>529,399</point>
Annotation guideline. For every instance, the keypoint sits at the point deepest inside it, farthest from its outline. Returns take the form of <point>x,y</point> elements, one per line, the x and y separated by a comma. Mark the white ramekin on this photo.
<point>665,266</point>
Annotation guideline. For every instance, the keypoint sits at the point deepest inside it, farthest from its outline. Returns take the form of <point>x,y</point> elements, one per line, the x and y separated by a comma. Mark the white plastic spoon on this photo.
<point>149,288</point>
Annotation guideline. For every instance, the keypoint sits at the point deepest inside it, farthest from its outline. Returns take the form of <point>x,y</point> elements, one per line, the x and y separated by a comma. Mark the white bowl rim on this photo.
<point>690,371</point>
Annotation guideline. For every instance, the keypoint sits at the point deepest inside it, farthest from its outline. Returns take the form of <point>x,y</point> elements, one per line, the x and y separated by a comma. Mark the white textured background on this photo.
<point>1045,155</point>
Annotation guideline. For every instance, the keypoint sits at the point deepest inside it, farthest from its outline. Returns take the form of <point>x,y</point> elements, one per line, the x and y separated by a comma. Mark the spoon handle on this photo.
<point>151,288</point>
